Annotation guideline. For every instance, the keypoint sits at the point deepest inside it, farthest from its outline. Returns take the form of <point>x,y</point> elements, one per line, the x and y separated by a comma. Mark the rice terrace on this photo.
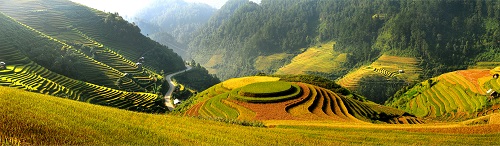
<point>249,72</point>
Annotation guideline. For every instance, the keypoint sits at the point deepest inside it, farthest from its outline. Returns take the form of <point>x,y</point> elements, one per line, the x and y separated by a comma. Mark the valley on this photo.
<point>269,72</point>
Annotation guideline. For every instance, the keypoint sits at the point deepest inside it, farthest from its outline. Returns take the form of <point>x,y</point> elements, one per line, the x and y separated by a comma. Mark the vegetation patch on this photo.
<point>295,91</point>
<point>322,58</point>
<point>240,82</point>
<point>267,89</point>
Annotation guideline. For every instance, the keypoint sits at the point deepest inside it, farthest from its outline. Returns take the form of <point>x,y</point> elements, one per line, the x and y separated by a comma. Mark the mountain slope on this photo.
<point>80,25</point>
<point>173,22</point>
<point>364,30</point>
<point>51,48</point>
<point>458,95</point>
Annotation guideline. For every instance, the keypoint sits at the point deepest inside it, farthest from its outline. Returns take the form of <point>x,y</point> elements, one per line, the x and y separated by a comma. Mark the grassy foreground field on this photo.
<point>30,118</point>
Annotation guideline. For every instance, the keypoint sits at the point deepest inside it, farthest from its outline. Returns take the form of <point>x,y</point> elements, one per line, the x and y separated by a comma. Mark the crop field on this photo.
<point>454,96</point>
<point>485,65</point>
<point>264,98</point>
<point>86,124</point>
<point>96,83</point>
<point>385,65</point>
<point>321,58</point>
<point>271,61</point>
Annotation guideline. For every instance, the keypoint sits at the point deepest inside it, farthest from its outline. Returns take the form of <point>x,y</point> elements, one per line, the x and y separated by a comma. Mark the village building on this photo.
<point>3,65</point>
<point>493,94</point>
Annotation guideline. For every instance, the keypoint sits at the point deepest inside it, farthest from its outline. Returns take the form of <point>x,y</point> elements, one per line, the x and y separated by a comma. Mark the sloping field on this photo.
<point>321,58</point>
<point>266,98</point>
<point>453,96</point>
<point>387,66</point>
<point>485,65</point>
<point>263,63</point>
<point>36,119</point>
<point>28,52</point>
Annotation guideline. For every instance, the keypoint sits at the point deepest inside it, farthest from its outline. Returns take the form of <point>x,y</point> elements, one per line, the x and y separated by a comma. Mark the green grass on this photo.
<point>293,93</point>
<point>266,89</point>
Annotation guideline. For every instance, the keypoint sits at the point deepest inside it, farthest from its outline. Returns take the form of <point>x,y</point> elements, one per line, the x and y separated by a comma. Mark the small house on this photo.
<point>492,93</point>
<point>401,71</point>
<point>177,101</point>
<point>495,76</point>
<point>139,65</point>
<point>141,59</point>
<point>3,65</point>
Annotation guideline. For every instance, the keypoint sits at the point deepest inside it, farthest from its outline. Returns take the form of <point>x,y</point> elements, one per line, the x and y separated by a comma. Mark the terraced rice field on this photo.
<point>76,123</point>
<point>99,88</point>
<point>50,19</point>
<point>385,65</point>
<point>454,96</point>
<point>321,58</point>
<point>287,101</point>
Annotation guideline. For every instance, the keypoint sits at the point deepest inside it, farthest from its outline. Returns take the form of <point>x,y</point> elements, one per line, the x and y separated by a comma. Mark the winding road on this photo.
<point>171,88</point>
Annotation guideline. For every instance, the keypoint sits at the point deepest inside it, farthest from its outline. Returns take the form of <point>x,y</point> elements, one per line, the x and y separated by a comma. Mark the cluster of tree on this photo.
<point>445,34</point>
<point>197,78</point>
<point>378,88</point>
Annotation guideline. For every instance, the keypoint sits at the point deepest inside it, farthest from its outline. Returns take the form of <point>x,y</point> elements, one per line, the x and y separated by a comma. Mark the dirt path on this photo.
<point>168,103</point>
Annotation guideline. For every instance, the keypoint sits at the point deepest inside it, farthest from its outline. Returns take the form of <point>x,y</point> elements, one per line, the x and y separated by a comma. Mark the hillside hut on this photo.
<point>3,65</point>
<point>401,71</point>
<point>177,101</point>
<point>141,60</point>
<point>139,65</point>
<point>492,93</point>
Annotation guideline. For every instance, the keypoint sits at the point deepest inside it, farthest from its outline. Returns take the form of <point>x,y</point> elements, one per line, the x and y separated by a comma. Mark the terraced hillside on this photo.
<point>385,65</point>
<point>74,23</point>
<point>318,59</point>
<point>65,62</point>
<point>271,98</point>
<point>33,119</point>
<point>453,96</point>
<point>382,78</point>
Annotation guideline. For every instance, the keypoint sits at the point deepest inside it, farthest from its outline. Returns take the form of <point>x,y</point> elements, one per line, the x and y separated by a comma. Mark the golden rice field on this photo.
<point>385,65</point>
<point>36,119</point>
<point>454,96</point>
<point>322,58</point>
<point>265,98</point>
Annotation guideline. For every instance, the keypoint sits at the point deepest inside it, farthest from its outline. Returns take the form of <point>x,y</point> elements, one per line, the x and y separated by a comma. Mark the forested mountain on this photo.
<point>172,22</point>
<point>444,34</point>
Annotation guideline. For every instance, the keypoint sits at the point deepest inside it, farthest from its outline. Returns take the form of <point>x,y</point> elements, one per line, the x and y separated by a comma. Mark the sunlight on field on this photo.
<point>240,82</point>
<point>86,124</point>
<point>390,64</point>
<point>321,58</point>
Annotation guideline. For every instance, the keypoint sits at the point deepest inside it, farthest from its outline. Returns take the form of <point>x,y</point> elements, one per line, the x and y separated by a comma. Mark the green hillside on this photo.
<point>382,78</point>
<point>51,48</point>
<point>80,25</point>
<point>35,119</point>
<point>453,96</point>
<point>444,35</point>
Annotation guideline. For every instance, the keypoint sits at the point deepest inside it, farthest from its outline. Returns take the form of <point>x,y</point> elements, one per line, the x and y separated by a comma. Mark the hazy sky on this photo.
<point>130,7</point>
